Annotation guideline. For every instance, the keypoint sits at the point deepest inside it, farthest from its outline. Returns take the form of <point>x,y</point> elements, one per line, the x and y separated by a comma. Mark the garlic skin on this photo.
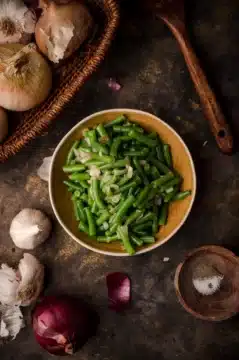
<point>17,22</point>
<point>30,228</point>
<point>62,28</point>
<point>32,278</point>
<point>25,77</point>
<point>44,170</point>
<point>11,322</point>
<point>3,124</point>
<point>8,285</point>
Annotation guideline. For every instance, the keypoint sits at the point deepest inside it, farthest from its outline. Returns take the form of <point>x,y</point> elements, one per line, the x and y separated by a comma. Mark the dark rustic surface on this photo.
<point>146,60</point>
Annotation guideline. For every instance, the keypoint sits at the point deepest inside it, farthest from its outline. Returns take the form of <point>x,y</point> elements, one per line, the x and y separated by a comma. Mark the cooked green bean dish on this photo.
<point>122,181</point>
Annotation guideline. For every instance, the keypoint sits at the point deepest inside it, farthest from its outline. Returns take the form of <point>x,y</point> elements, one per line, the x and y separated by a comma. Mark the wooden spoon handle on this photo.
<point>209,103</point>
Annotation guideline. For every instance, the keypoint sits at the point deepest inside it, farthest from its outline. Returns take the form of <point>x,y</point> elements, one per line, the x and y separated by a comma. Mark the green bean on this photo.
<point>83,227</point>
<point>96,194</point>
<point>115,165</point>
<point>148,239</point>
<point>90,196</point>
<point>124,236</point>
<point>160,166</point>
<point>71,153</point>
<point>131,184</point>
<point>94,162</point>
<point>107,239</point>
<point>162,180</point>
<point>103,217</point>
<point>137,241</point>
<point>91,135</point>
<point>80,210</point>
<point>116,144</point>
<point>91,222</point>
<point>182,195</point>
<point>127,129</point>
<point>124,208</point>
<point>143,226</point>
<point>142,195</point>
<point>85,148</point>
<point>84,184</point>
<point>79,177</point>
<point>153,135</point>
<point>84,197</point>
<point>163,214</point>
<point>118,172</point>
<point>169,197</point>
<point>73,168</point>
<point>155,226</point>
<point>104,137</point>
<point>142,138</point>
<point>133,216</point>
<point>140,153</point>
<point>72,185</point>
<point>167,155</point>
<point>76,194</point>
<point>76,210</point>
<point>145,218</point>
<point>112,230</point>
<point>159,152</point>
<point>171,183</point>
<point>94,208</point>
<point>140,171</point>
<point>155,172</point>
<point>103,158</point>
<point>119,120</point>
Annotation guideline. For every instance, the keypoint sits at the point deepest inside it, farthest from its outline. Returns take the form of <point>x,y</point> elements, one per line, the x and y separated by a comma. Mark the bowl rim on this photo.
<point>217,249</point>
<point>153,246</point>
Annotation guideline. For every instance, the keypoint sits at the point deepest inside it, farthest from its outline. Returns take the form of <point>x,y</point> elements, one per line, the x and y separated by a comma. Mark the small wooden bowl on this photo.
<point>60,197</point>
<point>223,304</point>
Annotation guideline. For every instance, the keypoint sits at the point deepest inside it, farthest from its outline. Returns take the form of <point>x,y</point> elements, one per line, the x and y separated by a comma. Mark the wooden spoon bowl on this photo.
<point>224,303</point>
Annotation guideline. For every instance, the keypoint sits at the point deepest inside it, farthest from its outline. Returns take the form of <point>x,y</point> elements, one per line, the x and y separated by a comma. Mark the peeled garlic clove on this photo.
<point>62,28</point>
<point>3,124</point>
<point>25,77</point>
<point>8,285</point>
<point>30,228</point>
<point>31,280</point>
<point>17,22</point>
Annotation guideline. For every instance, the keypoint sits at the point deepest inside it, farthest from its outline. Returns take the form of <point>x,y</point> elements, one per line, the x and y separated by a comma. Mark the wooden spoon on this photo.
<point>172,13</point>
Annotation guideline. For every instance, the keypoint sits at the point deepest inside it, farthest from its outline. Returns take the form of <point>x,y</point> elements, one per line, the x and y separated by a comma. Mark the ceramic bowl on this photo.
<point>214,302</point>
<point>60,197</point>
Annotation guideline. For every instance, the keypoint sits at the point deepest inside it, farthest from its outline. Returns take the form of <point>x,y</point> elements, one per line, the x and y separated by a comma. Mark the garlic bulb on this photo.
<point>62,28</point>
<point>3,124</point>
<point>8,285</point>
<point>17,22</point>
<point>11,322</point>
<point>32,277</point>
<point>30,228</point>
<point>25,77</point>
<point>23,286</point>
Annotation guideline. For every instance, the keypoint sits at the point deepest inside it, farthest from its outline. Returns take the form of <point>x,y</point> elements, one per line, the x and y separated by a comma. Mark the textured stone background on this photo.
<point>146,60</point>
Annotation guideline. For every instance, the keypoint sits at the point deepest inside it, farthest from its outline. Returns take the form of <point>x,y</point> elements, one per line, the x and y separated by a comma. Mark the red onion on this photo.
<point>63,324</point>
<point>118,291</point>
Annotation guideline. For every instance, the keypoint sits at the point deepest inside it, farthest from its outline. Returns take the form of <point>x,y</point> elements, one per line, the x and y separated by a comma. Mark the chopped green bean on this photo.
<point>137,241</point>
<point>163,214</point>
<point>80,210</point>
<point>103,217</point>
<point>148,239</point>
<point>72,185</point>
<point>91,222</point>
<point>140,171</point>
<point>123,234</point>
<point>142,138</point>
<point>79,177</point>
<point>104,137</point>
<point>162,180</point>
<point>96,194</point>
<point>107,239</point>
<point>133,216</point>
<point>83,227</point>
<point>182,195</point>
<point>73,168</point>
<point>71,153</point>
<point>124,208</point>
<point>167,155</point>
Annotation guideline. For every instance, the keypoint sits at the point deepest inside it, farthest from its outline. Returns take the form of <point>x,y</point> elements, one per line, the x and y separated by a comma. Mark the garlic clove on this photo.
<point>11,322</point>
<point>30,228</point>
<point>8,285</point>
<point>17,22</point>
<point>32,276</point>
<point>44,170</point>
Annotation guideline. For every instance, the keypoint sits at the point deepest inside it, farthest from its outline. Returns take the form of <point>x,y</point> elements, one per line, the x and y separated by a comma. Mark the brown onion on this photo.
<point>62,28</point>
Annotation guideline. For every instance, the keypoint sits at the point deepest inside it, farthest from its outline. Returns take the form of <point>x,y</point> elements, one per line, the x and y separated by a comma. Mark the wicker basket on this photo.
<point>68,78</point>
